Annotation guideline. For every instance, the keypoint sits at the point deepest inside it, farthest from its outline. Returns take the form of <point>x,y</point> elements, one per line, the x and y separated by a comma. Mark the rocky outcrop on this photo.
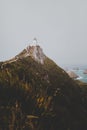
<point>72,74</point>
<point>85,71</point>
<point>36,53</point>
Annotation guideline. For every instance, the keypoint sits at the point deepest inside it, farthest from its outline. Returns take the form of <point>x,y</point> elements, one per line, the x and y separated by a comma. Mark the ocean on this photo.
<point>79,70</point>
<point>82,76</point>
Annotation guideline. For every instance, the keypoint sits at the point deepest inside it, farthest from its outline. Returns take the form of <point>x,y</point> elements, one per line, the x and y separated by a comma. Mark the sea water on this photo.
<point>79,70</point>
<point>82,76</point>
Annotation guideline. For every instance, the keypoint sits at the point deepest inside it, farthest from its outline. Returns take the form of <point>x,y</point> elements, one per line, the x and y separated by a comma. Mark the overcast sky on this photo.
<point>59,25</point>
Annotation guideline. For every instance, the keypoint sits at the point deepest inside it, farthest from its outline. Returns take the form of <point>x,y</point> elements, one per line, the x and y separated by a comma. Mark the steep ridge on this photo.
<point>36,94</point>
<point>33,51</point>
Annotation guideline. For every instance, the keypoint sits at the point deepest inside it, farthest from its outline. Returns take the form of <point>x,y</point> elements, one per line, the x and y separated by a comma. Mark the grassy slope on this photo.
<point>45,91</point>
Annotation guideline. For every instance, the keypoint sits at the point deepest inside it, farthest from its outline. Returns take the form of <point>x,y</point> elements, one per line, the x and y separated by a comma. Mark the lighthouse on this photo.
<point>35,41</point>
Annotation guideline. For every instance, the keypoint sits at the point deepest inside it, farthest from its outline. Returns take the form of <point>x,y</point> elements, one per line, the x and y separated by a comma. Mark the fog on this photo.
<point>59,25</point>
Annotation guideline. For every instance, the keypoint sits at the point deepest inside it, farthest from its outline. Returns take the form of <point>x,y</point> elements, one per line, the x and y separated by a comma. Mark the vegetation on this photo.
<point>40,97</point>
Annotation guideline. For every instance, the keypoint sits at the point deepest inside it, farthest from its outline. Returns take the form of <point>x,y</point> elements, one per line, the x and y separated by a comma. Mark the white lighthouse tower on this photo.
<point>35,42</point>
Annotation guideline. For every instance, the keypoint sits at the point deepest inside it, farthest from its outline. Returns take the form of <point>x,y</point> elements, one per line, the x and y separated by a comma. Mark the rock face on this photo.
<point>72,74</point>
<point>34,51</point>
<point>36,94</point>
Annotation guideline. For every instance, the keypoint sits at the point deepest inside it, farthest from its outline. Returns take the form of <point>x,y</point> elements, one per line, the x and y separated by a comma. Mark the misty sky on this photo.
<point>59,25</point>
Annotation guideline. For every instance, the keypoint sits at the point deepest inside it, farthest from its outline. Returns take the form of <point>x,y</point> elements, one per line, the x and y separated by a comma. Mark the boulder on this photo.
<point>72,74</point>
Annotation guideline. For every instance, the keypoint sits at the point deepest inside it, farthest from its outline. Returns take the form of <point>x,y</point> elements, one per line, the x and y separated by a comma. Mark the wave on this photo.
<point>80,77</point>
